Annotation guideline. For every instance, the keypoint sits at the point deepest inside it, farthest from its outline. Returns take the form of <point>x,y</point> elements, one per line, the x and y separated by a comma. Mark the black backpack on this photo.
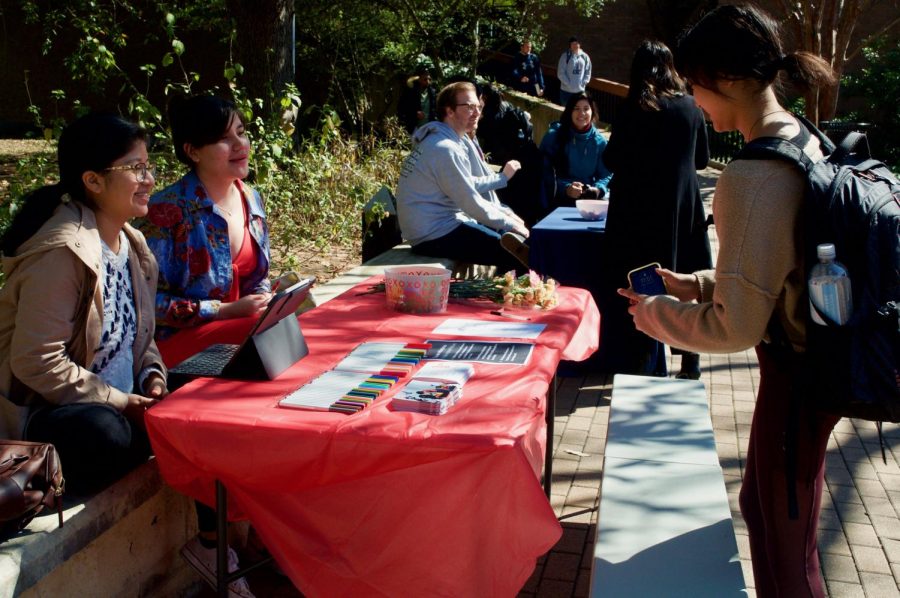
<point>853,202</point>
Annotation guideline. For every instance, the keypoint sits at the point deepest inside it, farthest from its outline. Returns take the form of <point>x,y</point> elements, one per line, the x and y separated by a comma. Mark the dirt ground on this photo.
<point>323,264</point>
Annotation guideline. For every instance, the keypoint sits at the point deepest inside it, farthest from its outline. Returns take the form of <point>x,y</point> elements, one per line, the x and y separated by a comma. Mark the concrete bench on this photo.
<point>665,526</point>
<point>122,541</point>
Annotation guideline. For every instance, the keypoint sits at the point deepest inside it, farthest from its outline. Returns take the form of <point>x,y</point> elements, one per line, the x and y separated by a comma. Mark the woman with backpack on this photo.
<point>757,292</point>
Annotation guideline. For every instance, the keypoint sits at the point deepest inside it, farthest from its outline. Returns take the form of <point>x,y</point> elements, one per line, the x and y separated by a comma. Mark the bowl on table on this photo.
<point>592,209</point>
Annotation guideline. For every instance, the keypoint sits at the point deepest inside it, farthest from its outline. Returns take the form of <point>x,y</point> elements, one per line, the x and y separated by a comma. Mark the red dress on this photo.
<point>188,341</point>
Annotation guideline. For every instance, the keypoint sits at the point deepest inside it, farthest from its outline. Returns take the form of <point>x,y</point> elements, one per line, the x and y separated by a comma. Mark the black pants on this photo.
<point>473,244</point>
<point>96,443</point>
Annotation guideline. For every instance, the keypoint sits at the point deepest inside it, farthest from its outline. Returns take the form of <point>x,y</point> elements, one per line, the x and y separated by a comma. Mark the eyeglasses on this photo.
<point>140,170</point>
<point>471,108</point>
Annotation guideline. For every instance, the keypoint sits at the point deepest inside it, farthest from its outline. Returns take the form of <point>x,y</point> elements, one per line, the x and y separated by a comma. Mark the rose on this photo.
<point>164,215</point>
<point>198,261</point>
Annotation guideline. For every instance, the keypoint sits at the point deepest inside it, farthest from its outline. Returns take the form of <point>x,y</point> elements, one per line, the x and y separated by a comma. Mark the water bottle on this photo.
<point>829,288</point>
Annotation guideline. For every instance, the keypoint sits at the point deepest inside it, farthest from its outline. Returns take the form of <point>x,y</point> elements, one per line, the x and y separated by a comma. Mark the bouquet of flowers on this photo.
<point>528,290</point>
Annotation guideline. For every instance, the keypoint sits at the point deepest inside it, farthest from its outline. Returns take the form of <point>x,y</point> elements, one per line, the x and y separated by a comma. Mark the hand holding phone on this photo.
<point>647,281</point>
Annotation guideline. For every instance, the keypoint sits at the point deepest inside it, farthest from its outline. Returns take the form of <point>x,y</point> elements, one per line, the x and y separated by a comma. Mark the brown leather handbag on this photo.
<point>30,479</point>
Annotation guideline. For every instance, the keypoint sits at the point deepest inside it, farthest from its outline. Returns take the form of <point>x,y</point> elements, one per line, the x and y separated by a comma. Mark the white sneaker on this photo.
<point>203,560</point>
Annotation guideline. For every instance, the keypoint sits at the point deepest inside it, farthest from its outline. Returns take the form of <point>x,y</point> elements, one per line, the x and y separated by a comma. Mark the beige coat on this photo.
<point>51,310</point>
<point>759,271</point>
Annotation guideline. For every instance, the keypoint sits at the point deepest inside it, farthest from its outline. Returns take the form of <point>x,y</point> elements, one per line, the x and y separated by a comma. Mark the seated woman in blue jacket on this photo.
<point>573,150</point>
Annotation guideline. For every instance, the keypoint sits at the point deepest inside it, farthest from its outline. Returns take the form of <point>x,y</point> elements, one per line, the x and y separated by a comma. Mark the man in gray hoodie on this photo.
<point>444,209</point>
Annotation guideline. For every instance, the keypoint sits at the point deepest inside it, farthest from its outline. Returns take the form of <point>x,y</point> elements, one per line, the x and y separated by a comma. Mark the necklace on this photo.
<point>759,120</point>
<point>227,211</point>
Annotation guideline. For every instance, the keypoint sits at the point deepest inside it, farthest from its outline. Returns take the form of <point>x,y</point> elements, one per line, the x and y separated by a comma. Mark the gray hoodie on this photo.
<point>437,190</point>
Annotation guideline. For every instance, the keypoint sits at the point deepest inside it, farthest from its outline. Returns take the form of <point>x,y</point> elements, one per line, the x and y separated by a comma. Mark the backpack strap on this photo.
<point>775,148</point>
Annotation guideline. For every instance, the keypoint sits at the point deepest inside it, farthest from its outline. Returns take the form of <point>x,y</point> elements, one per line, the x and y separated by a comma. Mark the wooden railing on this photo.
<point>609,96</point>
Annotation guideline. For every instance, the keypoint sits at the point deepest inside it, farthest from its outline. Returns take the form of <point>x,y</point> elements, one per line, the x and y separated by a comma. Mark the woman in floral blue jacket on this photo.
<point>208,230</point>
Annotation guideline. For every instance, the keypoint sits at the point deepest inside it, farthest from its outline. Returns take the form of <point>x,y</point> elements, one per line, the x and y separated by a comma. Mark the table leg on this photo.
<point>221,540</point>
<point>548,453</point>
<point>223,577</point>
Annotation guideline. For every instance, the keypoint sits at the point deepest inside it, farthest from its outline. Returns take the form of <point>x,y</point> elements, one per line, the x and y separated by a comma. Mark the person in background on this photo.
<point>658,143</point>
<point>732,58</point>
<point>79,366</point>
<point>418,102</point>
<point>209,234</point>
<point>573,70</point>
<point>505,134</point>
<point>527,75</point>
<point>444,198</point>
<point>573,155</point>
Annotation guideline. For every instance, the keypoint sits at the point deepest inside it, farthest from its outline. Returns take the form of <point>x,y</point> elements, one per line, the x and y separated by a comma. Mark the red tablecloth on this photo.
<point>383,503</point>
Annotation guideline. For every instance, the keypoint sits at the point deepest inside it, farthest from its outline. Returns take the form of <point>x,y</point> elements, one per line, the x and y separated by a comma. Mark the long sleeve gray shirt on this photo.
<point>437,190</point>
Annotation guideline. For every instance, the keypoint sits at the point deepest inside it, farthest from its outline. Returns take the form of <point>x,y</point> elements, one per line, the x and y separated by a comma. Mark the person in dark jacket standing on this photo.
<point>658,143</point>
<point>418,102</point>
<point>527,76</point>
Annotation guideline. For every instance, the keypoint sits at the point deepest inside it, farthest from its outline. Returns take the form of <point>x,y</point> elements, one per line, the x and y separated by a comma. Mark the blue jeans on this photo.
<point>474,244</point>
<point>96,443</point>
<point>564,96</point>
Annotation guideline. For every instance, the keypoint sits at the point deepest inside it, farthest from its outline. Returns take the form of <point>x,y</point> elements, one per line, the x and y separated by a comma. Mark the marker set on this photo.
<point>392,362</point>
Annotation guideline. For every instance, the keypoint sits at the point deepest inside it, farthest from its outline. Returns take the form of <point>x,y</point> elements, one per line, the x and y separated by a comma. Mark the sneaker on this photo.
<point>515,244</point>
<point>203,560</point>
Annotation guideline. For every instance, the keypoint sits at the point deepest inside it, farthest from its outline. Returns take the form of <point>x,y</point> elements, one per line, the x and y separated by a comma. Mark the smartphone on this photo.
<point>646,281</point>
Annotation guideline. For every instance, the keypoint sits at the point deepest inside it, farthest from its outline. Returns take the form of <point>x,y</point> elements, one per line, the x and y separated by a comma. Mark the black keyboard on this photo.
<point>209,362</point>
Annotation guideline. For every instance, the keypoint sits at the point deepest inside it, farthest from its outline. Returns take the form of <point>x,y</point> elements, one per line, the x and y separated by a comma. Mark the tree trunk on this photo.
<point>264,44</point>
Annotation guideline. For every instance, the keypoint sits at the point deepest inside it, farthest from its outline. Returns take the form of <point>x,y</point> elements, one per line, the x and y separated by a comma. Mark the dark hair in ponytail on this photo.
<point>653,76</point>
<point>743,42</point>
<point>90,143</point>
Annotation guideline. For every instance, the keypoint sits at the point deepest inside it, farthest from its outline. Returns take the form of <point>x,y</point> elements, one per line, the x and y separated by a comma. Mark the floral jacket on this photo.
<point>189,237</point>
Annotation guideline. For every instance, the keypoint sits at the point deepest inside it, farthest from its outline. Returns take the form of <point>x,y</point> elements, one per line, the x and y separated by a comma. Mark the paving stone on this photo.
<point>581,497</point>
<point>880,586</point>
<point>573,539</point>
<point>844,493</point>
<point>891,550</point>
<point>552,588</point>
<point>878,506</point>
<point>890,481</point>
<point>836,567</point>
<point>841,589</point>
<point>582,584</point>
<point>833,542</point>
<point>747,569</point>
<point>863,470</point>
<point>579,423</point>
<point>870,559</point>
<point>562,566</point>
<point>574,437</point>
<point>886,527</point>
<point>862,534</point>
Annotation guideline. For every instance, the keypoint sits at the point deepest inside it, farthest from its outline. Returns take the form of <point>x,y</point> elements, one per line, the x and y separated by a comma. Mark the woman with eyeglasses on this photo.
<point>573,155</point>
<point>78,363</point>
<point>208,230</point>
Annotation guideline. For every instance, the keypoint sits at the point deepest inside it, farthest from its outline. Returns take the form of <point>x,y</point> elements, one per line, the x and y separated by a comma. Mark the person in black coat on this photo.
<point>505,133</point>
<point>657,144</point>
<point>418,102</point>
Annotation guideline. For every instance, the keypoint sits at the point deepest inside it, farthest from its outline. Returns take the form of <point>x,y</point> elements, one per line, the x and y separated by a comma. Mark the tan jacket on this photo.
<point>759,270</point>
<point>51,310</point>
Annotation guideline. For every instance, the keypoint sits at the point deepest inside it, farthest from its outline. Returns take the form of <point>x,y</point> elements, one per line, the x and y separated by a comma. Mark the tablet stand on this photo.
<point>268,353</point>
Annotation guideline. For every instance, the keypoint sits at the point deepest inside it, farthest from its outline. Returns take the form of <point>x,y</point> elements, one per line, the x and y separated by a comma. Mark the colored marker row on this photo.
<point>400,366</point>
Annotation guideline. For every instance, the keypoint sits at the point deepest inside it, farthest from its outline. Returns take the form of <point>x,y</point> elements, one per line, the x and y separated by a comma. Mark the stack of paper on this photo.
<point>434,389</point>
